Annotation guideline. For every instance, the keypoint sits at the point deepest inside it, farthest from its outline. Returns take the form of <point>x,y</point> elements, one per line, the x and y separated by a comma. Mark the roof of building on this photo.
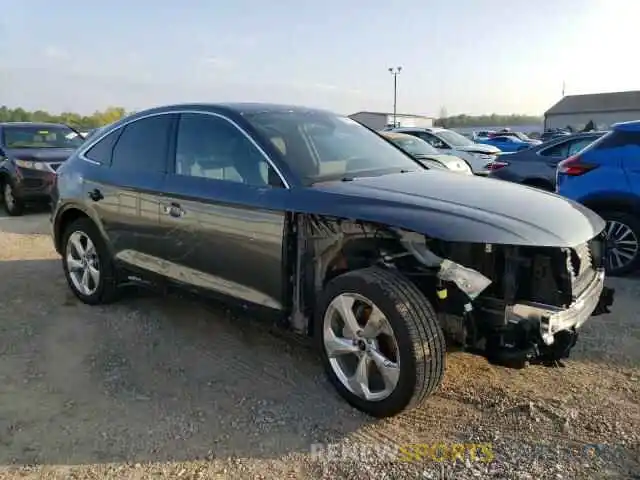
<point>408,115</point>
<point>597,103</point>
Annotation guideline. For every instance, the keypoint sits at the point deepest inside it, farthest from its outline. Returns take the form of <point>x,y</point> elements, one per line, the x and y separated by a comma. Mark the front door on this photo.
<point>224,212</point>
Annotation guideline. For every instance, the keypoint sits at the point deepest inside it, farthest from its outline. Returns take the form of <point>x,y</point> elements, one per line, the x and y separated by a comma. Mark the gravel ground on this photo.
<point>152,387</point>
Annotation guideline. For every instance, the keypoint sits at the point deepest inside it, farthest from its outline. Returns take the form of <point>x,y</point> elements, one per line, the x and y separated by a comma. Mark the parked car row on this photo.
<point>449,142</point>
<point>361,240</point>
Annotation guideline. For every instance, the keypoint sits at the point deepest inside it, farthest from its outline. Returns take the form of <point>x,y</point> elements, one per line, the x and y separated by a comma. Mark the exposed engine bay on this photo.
<point>515,305</point>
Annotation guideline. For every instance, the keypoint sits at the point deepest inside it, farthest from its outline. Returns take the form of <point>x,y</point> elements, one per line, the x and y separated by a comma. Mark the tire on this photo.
<point>106,288</point>
<point>420,342</point>
<point>615,222</point>
<point>12,205</point>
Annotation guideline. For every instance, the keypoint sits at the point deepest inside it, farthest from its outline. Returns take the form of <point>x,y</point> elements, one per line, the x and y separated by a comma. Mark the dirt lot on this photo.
<point>154,387</point>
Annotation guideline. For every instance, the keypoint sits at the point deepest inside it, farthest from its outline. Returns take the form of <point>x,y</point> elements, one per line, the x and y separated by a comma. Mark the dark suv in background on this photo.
<point>30,154</point>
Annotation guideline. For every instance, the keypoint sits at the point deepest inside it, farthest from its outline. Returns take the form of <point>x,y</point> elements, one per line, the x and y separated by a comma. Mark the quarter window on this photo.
<point>101,152</point>
<point>143,144</point>
<point>211,147</point>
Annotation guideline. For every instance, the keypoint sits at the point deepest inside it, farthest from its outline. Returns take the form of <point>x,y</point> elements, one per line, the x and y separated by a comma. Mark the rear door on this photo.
<point>126,193</point>
<point>224,210</point>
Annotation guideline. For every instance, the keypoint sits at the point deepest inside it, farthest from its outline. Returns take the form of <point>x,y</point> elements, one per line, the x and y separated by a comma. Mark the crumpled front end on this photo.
<point>532,304</point>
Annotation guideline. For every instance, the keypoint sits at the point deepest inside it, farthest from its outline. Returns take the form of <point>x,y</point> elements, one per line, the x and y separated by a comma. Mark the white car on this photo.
<point>452,143</point>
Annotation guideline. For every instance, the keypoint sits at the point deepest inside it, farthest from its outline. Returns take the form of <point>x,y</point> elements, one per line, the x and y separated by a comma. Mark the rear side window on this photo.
<point>617,139</point>
<point>143,145</point>
<point>101,151</point>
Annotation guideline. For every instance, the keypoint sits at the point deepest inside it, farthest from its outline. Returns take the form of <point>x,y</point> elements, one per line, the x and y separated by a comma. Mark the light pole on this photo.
<point>395,72</point>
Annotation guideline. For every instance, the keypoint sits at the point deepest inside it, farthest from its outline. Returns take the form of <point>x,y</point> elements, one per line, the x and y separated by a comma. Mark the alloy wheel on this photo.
<point>83,263</point>
<point>622,245</point>
<point>9,199</point>
<point>361,347</point>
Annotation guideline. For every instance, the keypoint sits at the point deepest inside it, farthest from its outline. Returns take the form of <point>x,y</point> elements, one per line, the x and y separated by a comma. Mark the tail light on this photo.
<point>495,165</point>
<point>574,166</point>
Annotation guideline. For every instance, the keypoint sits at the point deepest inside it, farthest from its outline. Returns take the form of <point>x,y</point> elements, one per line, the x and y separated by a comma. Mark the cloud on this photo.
<point>55,53</point>
<point>216,62</point>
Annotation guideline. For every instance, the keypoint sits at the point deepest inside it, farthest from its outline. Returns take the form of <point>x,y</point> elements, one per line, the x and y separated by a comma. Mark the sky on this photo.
<point>462,56</point>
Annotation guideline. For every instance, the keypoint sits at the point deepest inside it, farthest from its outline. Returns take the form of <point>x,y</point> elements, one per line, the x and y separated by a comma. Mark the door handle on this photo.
<point>174,210</point>
<point>95,195</point>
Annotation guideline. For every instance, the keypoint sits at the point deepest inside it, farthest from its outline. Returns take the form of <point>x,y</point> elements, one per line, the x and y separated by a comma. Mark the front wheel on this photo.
<point>380,341</point>
<point>12,205</point>
<point>623,243</point>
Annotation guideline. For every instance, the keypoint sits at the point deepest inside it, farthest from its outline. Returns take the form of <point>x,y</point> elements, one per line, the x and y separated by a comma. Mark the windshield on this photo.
<point>454,139</point>
<point>321,146</point>
<point>414,146</point>
<point>33,136</point>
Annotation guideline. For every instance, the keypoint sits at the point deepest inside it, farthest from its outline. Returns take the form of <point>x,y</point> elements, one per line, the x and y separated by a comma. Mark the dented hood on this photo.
<point>459,208</point>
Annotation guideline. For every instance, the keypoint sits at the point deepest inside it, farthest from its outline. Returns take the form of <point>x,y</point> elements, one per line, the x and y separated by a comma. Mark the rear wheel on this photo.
<point>380,341</point>
<point>87,263</point>
<point>12,205</point>
<point>623,242</point>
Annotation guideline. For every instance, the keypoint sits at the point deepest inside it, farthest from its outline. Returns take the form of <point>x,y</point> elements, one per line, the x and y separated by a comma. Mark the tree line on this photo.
<point>111,114</point>
<point>493,120</point>
<point>74,120</point>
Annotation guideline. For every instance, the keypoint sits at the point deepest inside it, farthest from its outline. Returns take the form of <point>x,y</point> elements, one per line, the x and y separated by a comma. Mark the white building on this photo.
<point>604,109</point>
<point>380,120</point>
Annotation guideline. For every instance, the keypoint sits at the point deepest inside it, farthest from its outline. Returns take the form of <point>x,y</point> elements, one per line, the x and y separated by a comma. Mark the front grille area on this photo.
<point>55,166</point>
<point>580,267</point>
<point>32,183</point>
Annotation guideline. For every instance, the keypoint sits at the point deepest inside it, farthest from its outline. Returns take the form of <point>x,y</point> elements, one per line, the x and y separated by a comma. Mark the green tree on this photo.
<point>75,120</point>
<point>493,120</point>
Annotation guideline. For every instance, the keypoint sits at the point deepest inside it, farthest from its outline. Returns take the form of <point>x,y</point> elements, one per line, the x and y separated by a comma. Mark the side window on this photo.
<point>578,145</point>
<point>211,147</point>
<point>557,151</point>
<point>434,141</point>
<point>101,152</point>
<point>142,146</point>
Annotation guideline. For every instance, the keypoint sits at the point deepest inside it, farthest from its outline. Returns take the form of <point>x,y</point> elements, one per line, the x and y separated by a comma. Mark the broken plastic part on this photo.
<point>470,281</point>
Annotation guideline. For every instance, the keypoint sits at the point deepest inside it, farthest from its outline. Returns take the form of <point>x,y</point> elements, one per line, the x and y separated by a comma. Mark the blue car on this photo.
<point>605,177</point>
<point>507,143</point>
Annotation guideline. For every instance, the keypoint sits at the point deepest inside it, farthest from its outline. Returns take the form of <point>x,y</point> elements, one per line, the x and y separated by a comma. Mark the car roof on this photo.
<point>417,129</point>
<point>32,124</point>
<point>633,126</point>
<point>235,107</point>
<point>398,135</point>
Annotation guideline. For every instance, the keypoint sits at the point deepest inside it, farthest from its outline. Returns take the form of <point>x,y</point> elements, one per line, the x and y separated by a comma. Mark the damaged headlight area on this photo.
<point>469,281</point>
<point>520,304</point>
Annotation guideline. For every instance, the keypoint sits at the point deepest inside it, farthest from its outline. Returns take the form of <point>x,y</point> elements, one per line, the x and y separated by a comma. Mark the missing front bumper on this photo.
<point>555,330</point>
<point>595,299</point>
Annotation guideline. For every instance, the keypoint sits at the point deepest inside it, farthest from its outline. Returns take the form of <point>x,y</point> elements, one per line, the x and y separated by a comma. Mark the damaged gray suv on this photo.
<point>314,217</point>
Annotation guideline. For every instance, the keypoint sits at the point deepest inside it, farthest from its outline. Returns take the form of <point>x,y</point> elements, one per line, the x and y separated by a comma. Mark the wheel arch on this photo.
<point>68,214</point>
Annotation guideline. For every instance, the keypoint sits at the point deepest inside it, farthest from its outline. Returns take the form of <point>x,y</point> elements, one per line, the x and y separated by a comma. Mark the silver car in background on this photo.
<point>452,143</point>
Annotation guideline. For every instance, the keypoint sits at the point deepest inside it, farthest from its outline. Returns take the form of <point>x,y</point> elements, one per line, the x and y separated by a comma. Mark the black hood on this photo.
<point>459,208</point>
<point>40,154</point>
